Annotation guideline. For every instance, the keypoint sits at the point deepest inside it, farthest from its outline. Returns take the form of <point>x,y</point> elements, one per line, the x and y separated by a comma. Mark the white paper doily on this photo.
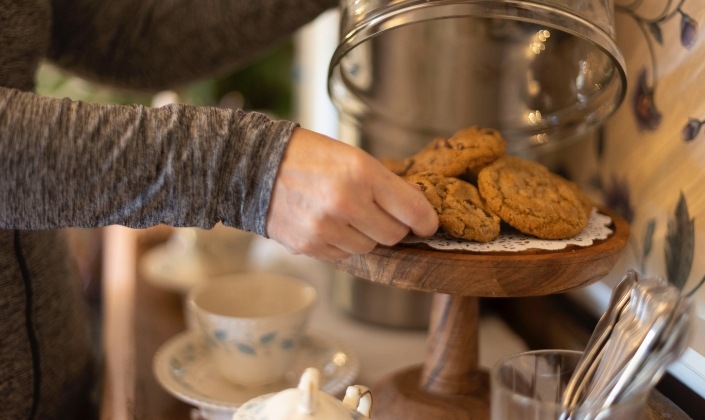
<point>597,229</point>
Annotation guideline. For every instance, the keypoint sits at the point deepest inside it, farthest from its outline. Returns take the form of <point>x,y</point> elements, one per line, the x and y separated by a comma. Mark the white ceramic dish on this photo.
<point>161,267</point>
<point>191,256</point>
<point>185,369</point>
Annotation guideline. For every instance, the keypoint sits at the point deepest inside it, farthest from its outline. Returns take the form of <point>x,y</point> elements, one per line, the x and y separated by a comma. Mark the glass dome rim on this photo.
<point>379,23</point>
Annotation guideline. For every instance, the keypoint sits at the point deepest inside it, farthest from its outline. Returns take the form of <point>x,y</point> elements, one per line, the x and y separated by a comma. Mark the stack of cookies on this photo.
<point>475,187</point>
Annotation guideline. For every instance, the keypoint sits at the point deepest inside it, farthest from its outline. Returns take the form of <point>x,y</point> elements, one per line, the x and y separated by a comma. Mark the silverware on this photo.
<point>676,337</point>
<point>593,351</point>
<point>646,327</point>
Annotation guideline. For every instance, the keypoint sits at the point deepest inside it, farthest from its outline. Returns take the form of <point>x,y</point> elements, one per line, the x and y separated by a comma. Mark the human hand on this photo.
<point>331,200</point>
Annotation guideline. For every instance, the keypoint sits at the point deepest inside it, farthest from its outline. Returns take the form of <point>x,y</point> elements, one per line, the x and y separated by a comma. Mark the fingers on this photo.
<point>349,239</point>
<point>329,253</point>
<point>378,225</point>
<point>331,244</point>
<point>393,207</point>
<point>408,205</point>
<point>384,217</point>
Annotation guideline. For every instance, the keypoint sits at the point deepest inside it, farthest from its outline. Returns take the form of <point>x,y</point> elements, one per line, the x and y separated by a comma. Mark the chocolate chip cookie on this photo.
<point>461,155</point>
<point>530,198</point>
<point>461,211</point>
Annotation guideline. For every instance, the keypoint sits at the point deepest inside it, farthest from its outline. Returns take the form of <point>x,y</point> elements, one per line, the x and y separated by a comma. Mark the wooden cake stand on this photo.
<point>450,384</point>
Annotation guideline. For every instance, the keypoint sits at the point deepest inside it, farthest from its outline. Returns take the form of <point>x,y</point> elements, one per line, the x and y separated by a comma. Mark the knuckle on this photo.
<point>368,248</point>
<point>394,235</point>
<point>363,247</point>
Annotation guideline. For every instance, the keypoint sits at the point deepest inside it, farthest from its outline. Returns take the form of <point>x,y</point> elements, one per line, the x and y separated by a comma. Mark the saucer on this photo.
<point>185,369</point>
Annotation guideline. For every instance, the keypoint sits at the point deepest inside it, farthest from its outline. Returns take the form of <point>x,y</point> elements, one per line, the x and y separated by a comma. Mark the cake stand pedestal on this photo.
<point>450,384</point>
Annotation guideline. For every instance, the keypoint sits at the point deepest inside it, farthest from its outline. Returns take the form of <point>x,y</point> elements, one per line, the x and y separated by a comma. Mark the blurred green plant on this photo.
<point>264,85</point>
<point>53,81</point>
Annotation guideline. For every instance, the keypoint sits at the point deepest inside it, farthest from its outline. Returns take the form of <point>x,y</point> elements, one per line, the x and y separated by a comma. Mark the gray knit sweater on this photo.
<point>71,164</point>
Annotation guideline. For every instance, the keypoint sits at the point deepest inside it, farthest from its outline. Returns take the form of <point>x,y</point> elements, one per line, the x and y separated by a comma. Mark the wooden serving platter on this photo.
<point>524,273</point>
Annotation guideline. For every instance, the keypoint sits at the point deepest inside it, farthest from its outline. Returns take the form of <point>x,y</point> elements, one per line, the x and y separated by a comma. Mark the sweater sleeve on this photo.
<point>157,44</point>
<point>68,163</point>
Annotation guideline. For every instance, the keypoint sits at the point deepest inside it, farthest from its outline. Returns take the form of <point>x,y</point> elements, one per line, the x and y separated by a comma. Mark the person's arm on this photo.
<point>72,164</point>
<point>157,44</point>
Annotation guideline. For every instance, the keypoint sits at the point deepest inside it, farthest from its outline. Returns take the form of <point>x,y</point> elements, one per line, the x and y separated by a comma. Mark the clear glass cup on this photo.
<point>529,386</point>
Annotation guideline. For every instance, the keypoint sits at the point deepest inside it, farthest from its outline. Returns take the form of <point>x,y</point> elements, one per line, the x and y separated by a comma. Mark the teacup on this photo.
<point>253,323</point>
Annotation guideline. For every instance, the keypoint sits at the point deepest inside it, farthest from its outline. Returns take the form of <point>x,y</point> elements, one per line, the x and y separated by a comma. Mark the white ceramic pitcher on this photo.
<point>307,402</point>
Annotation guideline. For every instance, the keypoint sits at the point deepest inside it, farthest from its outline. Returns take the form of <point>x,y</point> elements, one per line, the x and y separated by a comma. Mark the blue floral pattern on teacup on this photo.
<point>256,345</point>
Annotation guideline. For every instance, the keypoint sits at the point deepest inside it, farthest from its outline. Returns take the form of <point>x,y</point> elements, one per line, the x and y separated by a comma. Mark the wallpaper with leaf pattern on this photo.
<point>657,37</point>
<point>647,161</point>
